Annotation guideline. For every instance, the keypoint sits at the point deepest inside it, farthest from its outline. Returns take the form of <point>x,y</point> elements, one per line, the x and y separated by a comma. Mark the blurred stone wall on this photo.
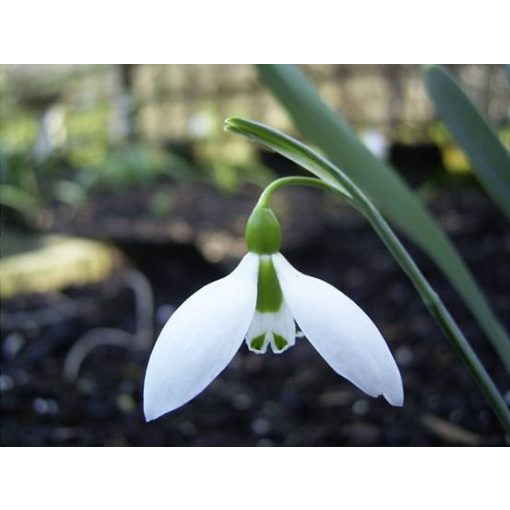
<point>179,103</point>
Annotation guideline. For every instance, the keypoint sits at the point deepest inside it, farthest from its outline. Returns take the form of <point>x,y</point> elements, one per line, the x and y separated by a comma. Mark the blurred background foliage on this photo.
<point>69,131</point>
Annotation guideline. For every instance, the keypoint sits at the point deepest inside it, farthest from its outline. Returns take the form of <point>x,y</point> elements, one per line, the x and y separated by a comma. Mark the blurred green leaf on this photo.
<point>19,200</point>
<point>142,164</point>
<point>69,192</point>
<point>490,160</point>
<point>328,130</point>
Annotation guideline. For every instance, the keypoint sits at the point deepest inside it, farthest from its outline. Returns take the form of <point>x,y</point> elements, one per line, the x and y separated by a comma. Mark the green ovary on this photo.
<point>269,293</point>
<point>263,234</point>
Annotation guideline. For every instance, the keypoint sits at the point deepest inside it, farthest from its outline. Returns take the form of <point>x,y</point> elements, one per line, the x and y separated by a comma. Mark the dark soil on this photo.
<point>293,399</point>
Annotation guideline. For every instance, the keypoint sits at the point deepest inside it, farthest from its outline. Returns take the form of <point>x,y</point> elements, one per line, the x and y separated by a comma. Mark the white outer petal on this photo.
<point>341,332</point>
<point>200,339</point>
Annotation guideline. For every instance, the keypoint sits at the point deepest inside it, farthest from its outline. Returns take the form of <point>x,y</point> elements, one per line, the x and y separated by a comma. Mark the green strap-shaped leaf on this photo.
<point>328,131</point>
<point>490,160</point>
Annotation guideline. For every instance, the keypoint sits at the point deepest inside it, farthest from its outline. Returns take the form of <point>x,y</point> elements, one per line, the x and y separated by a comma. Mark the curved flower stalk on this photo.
<point>260,302</point>
<point>333,179</point>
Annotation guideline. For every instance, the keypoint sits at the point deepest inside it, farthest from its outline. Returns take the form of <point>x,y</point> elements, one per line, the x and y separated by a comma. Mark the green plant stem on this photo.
<point>376,180</point>
<point>432,301</point>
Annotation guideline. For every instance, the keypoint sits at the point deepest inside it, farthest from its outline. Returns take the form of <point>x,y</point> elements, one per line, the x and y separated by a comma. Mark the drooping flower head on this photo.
<point>260,302</point>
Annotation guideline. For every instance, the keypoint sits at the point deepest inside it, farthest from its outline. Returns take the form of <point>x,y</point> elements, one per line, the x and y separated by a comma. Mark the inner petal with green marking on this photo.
<point>273,323</point>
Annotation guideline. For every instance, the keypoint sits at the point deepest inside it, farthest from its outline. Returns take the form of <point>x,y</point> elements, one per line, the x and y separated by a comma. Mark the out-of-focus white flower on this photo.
<point>376,143</point>
<point>260,302</point>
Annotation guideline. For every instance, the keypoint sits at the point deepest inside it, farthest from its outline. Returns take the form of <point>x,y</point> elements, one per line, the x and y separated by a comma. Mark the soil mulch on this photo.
<point>290,400</point>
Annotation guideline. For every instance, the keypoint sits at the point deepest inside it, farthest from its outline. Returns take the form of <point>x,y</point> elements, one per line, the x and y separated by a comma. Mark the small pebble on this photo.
<point>45,406</point>
<point>271,408</point>
<point>12,344</point>
<point>86,386</point>
<point>242,401</point>
<point>404,355</point>
<point>260,426</point>
<point>6,383</point>
<point>360,407</point>
<point>335,398</point>
<point>188,428</point>
<point>126,403</point>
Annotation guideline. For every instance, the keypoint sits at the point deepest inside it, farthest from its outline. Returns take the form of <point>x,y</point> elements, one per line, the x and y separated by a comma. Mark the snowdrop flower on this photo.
<point>260,303</point>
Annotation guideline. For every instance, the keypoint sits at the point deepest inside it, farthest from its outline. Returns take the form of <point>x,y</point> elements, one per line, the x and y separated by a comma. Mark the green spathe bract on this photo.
<point>263,235</point>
